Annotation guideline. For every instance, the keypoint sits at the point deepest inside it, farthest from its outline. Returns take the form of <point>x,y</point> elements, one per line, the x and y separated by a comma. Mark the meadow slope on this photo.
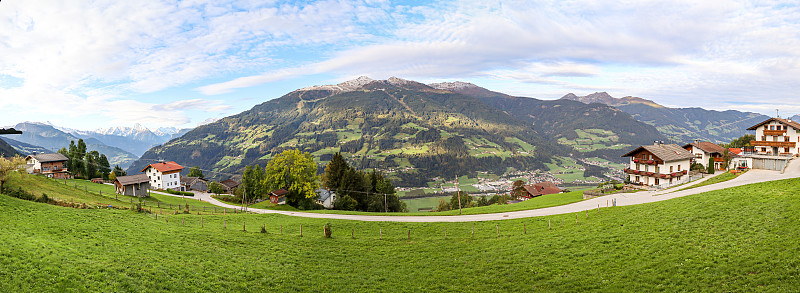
<point>738,239</point>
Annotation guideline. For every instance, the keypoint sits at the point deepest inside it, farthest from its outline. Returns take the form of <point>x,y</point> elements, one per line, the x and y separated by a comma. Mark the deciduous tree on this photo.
<point>195,172</point>
<point>9,167</point>
<point>296,172</point>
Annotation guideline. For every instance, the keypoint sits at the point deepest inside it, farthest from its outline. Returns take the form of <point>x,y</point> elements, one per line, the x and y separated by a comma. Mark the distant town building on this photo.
<point>777,136</point>
<point>51,165</point>
<point>133,185</point>
<point>164,175</point>
<point>658,164</point>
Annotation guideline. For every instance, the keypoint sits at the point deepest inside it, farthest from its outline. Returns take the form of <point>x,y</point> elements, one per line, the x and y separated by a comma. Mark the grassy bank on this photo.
<point>740,239</point>
<point>716,179</point>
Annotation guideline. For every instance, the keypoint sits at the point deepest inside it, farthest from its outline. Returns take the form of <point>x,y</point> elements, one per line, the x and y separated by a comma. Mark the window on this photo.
<point>786,150</point>
<point>778,127</point>
<point>637,166</point>
<point>786,138</point>
<point>658,169</point>
<point>670,168</point>
<point>763,138</point>
<point>679,168</point>
<point>772,127</point>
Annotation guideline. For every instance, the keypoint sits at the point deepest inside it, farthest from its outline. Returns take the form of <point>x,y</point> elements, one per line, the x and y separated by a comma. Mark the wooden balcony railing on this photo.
<point>773,143</point>
<point>775,132</point>
<point>656,175</point>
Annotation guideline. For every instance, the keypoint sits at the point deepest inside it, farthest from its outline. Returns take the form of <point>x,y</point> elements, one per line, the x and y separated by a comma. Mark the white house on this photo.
<point>164,175</point>
<point>704,150</point>
<point>658,164</point>
<point>325,198</point>
<point>777,136</point>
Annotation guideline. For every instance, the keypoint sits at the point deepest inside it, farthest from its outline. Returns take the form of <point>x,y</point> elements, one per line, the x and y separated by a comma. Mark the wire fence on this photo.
<point>464,230</point>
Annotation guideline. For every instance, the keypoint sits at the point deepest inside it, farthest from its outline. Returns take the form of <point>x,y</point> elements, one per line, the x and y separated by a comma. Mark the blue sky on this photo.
<point>95,64</point>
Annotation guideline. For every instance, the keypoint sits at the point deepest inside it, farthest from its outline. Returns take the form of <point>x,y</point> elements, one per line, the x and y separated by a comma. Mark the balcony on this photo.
<point>646,162</point>
<point>719,160</point>
<point>775,132</point>
<point>657,175</point>
<point>780,144</point>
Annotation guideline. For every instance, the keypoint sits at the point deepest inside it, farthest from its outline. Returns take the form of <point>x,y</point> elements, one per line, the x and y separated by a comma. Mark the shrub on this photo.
<point>184,193</point>
<point>328,231</point>
<point>263,229</point>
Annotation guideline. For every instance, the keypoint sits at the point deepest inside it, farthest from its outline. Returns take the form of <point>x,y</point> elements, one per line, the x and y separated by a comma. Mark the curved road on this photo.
<point>752,176</point>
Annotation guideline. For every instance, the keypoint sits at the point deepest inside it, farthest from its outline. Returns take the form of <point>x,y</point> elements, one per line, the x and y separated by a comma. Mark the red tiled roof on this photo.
<point>708,147</point>
<point>735,150</point>
<point>164,166</point>
<point>279,192</point>
<point>542,188</point>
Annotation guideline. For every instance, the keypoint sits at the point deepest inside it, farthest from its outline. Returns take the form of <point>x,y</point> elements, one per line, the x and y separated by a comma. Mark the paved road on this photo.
<point>752,176</point>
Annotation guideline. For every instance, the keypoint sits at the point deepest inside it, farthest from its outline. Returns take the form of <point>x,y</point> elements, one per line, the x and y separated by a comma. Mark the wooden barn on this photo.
<point>133,185</point>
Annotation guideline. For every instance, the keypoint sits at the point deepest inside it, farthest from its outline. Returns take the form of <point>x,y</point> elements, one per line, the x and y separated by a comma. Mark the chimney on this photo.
<point>655,142</point>
<point>696,141</point>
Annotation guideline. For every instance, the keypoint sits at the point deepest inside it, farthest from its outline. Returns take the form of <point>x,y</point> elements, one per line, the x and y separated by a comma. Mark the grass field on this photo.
<point>88,192</point>
<point>741,239</point>
<point>716,179</point>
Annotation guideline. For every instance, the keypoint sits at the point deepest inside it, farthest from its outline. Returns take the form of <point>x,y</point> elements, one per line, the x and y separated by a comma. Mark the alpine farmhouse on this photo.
<point>704,150</point>
<point>50,165</point>
<point>777,137</point>
<point>658,164</point>
<point>164,175</point>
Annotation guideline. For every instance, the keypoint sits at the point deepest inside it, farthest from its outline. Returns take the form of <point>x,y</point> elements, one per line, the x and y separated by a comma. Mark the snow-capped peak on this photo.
<point>347,86</point>
<point>452,85</point>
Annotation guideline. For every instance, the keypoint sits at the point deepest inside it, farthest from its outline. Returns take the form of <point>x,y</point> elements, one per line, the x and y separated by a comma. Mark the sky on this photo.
<point>96,64</point>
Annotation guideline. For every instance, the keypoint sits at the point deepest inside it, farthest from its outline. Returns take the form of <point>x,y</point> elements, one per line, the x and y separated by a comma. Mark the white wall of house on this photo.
<point>666,168</point>
<point>36,165</point>
<point>792,133</point>
<point>159,180</point>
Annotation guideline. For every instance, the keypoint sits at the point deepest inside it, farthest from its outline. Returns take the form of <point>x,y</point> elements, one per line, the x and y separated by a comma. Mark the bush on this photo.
<point>327,229</point>
<point>184,193</point>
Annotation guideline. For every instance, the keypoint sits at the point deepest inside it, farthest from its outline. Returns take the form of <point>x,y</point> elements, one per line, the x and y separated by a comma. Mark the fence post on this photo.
<point>244,228</point>
<point>409,234</point>
<point>498,230</point>
<point>166,218</point>
<point>548,224</point>
<point>598,207</point>
<point>445,232</point>
<point>224,223</point>
<point>473,231</point>
<point>201,221</point>
<point>380,230</point>
<point>587,213</point>
<point>183,221</point>
<point>352,234</point>
<point>524,230</point>
<point>301,230</point>
<point>576,217</point>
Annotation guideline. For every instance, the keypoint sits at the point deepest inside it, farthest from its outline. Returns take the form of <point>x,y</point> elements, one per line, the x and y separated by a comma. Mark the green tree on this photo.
<point>466,200</point>
<point>91,166</point>
<point>727,157</point>
<point>81,149</point>
<point>518,189</point>
<point>710,166</point>
<point>296,172</point>
<point>10,166</point>
<point>119,172</point>
<point>195,172</point>
<point>741,141</point>
<point>334,172</point>
<point>103,166</point>
<point>215,187</point>
<point>345,203</point>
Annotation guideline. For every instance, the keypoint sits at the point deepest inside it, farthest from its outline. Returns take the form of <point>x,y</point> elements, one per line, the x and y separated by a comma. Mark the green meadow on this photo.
<point>739,239</point>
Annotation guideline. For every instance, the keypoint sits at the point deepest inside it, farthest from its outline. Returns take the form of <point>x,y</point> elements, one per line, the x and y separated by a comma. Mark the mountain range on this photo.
<point>680,124</point>
<point>411,130</point>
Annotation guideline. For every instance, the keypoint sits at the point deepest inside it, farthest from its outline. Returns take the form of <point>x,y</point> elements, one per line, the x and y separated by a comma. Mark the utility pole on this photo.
<point>458,193</point>
<point>385,204</point>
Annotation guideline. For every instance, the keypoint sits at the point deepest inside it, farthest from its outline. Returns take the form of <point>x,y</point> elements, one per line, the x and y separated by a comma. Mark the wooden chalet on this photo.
<point>278,196</point>
<point>541,188</point>
<point>777,137</point>
<point>658,164</point>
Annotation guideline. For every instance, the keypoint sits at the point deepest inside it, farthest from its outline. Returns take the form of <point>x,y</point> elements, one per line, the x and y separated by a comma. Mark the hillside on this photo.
<point>48,137</point>
<point>24,148</point>
<point>7,150</point>
<point>408,129</point>
<point>740,239</point>
<point>680,124</point>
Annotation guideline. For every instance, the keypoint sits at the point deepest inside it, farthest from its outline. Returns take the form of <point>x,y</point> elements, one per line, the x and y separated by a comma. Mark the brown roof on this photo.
<point>190,180</point>
<point>44,158</point>
<point>132,179</point>
<point>665,152</point>
<point>781,120</point>
<point>164,166</point>
<point>707,147</point>
<point>279,192</point>
<point>542,188</point>
<point>230,183</point>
